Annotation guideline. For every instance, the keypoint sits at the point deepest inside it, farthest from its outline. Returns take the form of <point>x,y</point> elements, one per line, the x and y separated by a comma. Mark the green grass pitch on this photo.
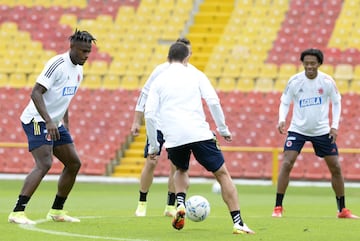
<point>107,213</point>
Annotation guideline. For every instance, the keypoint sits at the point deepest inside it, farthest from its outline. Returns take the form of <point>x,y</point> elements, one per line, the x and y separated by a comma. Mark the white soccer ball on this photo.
<point>197,208</point>
<point>216,188</point>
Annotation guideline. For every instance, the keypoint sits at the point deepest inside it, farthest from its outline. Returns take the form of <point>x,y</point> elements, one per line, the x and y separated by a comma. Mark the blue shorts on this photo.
<point>322,144</point>
<point>207,153</point>
<point>36,133</point>
<point>160,139</point>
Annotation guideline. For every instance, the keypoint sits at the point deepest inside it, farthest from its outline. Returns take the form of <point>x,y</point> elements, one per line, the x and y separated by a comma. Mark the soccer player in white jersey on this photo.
<point>46,124</point>
<point>311,91</point>
<point>147,173</point>
<point>175,98</point>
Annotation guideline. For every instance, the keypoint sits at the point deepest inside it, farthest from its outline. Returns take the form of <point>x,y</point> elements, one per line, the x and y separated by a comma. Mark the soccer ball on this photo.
<point>197,208</point>
<point>216,188</point>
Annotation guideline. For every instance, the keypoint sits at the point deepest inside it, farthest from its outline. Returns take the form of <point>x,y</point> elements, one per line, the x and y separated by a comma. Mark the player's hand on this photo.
<point>228,138</point>
<point>333,135</point>
<point>52,131</point>
<point>153,156</point>
<point>281,127</point>
<point>135,129</point>
<point>66,125</point>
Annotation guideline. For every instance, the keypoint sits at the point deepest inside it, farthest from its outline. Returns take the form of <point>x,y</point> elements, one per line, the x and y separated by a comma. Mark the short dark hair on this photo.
<point>183,40</point>
<point>82,36</point>
<point>178,52</point>
<point>314,52</point>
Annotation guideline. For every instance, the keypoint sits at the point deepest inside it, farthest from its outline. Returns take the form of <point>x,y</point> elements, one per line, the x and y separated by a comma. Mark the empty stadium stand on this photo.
<point>248,49</point>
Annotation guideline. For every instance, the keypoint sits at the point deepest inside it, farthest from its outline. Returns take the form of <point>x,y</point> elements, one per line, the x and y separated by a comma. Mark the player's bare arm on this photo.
<point>333,134</point>
<point>135,128</point>
<point>281,127</point>
<point>66,119</point>
<point>37,98</point>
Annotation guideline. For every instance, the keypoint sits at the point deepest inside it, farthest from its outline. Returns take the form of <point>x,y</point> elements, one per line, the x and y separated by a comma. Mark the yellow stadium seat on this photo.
<point>105,20</point>
<point>213,69</point>
<point>79,3</point>
<point>250,71</point>
<point>268,71</point>
<point>184,4</point>
<point>24,37</point>
<point>130,82</point>
<point>245,84</point>
<point>69,19</point>
<point>167,4</point>
<point>231,70</point>
<point>342,85</point>
<point>111,81</point>
<point>9,27</point>
<point>46,55</point>
<point>136,69</point>
<point>226,84</point>
<point>7,66</point>
<point>15,56</point>
<point>327,69</point>
<point>264,84</point>
<point>33,46</point>
<point>17,80</point>
<point>31,79</point>
<point>26,66</point>
<point>43,3</point>
<point>97,67</point>
<point>355,86</point>
<point>356,74</point>
<point>4,79</point>
<point>125,16</point>
<point>210,18</point>
<point>117,67</point>
<point>91,81</point>
<point>286,71</point>
<point>62,3</point>
<point>343,72</point>
<point>280,84</point>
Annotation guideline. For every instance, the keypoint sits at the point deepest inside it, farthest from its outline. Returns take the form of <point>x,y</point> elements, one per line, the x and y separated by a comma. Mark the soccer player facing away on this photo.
<point>175,98</point>
<point>311,91</point>
<point>46,124</point>
<point>147,173</point>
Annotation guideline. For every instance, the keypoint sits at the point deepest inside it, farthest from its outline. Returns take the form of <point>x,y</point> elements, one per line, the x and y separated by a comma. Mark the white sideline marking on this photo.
<point>102,179</point>
<point>60,233</point>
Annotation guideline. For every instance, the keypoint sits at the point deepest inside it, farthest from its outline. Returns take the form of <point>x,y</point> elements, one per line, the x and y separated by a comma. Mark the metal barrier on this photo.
<point>274,150</point>
<point>275,154</point>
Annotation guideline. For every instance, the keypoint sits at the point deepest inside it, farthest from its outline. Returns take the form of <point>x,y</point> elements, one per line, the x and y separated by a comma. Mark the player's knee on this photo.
<point>152,162</point>
<point>74,165</point>
<point>335,170</point>
<point>287,165</point>
<point>44,166</point>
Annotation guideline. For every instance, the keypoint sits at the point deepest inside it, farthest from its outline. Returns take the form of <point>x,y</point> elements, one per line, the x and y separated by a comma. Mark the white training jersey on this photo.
<point>140,105</point>
<point>61,78</point>
<point>176,96</point>
<point>311,99</point>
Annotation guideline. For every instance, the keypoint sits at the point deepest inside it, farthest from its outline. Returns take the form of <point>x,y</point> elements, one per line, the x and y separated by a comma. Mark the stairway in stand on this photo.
<point>131,164</point>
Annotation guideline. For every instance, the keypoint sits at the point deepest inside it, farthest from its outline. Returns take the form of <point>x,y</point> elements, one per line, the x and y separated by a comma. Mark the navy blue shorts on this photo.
<point>322,144</point>
<point>160,139</point>
<point>207,153</point>
<point>36,133</point>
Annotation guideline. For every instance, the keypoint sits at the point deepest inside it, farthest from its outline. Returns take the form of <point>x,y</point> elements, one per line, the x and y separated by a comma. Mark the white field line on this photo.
<point>61,233</point>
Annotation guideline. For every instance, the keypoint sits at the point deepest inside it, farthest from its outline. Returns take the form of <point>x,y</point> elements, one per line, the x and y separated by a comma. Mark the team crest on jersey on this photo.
<point>321,91</point>
<point>310,101</point>
<point>69,90</point>
<point>288,143</point>
<point>78,78</point>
